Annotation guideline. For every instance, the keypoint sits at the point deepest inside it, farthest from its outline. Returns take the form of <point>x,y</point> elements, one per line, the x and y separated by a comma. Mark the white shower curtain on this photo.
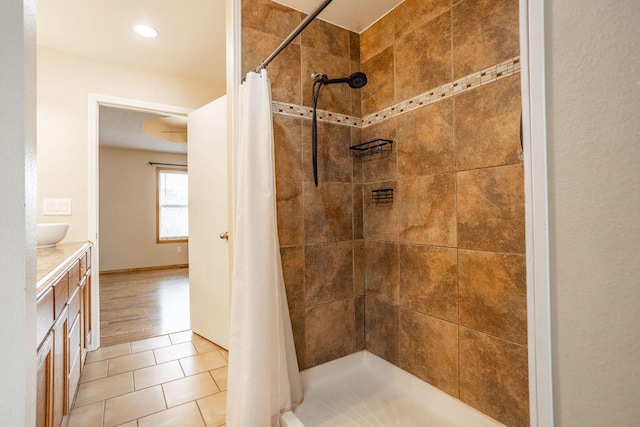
<point>263,377</point>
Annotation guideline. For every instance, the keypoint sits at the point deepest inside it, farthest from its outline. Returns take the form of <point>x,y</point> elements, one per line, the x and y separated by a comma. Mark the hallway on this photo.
<point>143,304</point>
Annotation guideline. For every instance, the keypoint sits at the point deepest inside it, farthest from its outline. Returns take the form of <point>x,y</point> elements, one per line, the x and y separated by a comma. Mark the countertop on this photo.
<point>53,261</point>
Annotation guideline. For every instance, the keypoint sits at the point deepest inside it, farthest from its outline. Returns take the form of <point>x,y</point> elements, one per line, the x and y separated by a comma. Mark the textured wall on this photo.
<point>445,266</point>
<point>593,116</point>
<point>317,226</point>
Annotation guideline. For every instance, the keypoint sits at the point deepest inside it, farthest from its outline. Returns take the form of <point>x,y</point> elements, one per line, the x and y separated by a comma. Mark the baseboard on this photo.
<point>134,270</point>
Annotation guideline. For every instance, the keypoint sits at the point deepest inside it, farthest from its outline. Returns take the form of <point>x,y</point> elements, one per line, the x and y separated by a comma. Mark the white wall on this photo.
<point>17,221</point>
<point>593,96</point>
<point>64,80</point>
<point>128,211</point>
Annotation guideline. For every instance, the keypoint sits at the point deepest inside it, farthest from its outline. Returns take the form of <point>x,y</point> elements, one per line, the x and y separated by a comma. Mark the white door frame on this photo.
<point>536,190</point>
<point>95,101</point>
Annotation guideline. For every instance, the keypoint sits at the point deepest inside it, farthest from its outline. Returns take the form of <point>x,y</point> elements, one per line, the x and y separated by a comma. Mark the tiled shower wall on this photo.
<point>320,235</point>
<point>443,265</point>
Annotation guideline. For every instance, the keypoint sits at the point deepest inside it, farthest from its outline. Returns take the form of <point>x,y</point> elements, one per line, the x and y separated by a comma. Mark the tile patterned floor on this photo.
<point>175,380</point>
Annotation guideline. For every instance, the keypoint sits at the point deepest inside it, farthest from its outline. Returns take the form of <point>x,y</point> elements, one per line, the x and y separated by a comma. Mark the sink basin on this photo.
<point>50,234</point>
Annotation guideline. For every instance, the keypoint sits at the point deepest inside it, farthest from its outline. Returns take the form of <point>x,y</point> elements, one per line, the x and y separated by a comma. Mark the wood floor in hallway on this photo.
<point>143,304</point>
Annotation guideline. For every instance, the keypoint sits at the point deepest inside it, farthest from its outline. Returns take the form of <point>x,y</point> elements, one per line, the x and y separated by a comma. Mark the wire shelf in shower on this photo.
<point>382,195</point>
<point>370,148</point>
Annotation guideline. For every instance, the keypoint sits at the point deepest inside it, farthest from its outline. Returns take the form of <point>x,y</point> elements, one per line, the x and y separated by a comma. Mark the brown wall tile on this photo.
<point>358,267</point>
<point>298,327</point>
<point>380,167</point>
<point>290,220</point>
<point>381,271</point>
<point>429,280</point>
<point>485,32</point>
<point>376,38</point>
<point>328,270</point>
<point>328,212</point>
<point>382,329</point>
<point>334,157</point>
<point>358,212</point>
<point>488,125</point>
<point>270,18</point>
<point>325,37</point>
<point>494,377</point>
<point>356,163</point>
<point>413,13</point>
<point>493,294</point>
<point>287,134</point>
<point>427,212</point>
<point>491,209</point>
<point>293,270</point>
<point>423,58</point>
<point>379,92</point>
<point>356,94</point>
<point>335,98</point>
<point>284,71</point>
<point>380,219</point>
<point>425,140</point>
<point>354,46</point>
<point>330,331</point>
<point>429,350</point>
<point>359,307</point>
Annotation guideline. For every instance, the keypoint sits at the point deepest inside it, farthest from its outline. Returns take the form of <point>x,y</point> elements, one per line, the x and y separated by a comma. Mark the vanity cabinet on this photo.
<point>63,334</point>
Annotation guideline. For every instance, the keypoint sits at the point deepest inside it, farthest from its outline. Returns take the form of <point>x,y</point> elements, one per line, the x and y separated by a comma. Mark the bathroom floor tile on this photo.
<point>174,352</point>
<point>202,362</point>
<point>131,362</point>
<point>133,405</point>
<point>187,415</point>
<point>150,344</point>
<point>180,337</point>
<point>108,352</point>
<point>88,415</point>
<point>188,389</point>
<point>214,409</point>
<point>220,377</point>
<point>157,374</point>
<point>94,371</point>
<point>203,345</point>
<point>104,388</point>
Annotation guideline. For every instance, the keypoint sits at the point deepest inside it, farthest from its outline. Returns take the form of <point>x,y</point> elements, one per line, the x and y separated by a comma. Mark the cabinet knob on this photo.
<point>225,235</point>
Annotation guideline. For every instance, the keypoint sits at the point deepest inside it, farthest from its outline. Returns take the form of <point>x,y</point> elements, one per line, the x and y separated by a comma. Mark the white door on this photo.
<point>209,283</point>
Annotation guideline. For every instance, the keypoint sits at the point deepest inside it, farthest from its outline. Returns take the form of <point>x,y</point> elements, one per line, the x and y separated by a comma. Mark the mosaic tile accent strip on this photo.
<point>307,113</point>
<point>457,87</point>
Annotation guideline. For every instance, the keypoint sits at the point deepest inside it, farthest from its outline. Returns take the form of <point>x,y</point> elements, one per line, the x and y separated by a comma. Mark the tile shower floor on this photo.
<point>171,380</point>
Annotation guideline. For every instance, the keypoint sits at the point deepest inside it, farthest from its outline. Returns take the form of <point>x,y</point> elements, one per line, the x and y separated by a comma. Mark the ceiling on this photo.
<point>122,128</point>
<point>191,41</point>
<point>354,15</point>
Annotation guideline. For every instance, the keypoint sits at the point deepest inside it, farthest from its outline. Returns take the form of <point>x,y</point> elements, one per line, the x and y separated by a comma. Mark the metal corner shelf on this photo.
<point>382,195</point>
<point>370,148</point>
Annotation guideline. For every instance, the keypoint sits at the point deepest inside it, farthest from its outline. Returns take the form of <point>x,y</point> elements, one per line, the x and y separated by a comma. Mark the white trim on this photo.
<point>536,212</point>
<point>95,101</point>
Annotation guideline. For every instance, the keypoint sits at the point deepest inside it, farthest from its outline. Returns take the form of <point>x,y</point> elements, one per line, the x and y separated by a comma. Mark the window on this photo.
<point>172,210</point>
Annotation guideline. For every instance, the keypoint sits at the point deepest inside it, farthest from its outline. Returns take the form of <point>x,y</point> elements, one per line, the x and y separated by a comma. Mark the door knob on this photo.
<point>225,235</point>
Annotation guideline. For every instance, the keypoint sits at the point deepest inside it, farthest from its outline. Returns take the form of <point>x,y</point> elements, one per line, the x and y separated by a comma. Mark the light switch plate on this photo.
<point>56,207</point>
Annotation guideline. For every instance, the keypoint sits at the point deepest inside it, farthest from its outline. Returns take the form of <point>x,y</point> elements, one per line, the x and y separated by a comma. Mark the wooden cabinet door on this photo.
<point>44,383</point>
<point>86,315</point>
<point>60,367</point>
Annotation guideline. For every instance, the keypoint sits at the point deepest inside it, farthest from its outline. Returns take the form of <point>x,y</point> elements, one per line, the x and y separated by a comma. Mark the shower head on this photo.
<point>355,80</point>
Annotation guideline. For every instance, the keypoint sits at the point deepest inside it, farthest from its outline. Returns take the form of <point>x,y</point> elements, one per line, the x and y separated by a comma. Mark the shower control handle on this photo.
<point>225,235</point>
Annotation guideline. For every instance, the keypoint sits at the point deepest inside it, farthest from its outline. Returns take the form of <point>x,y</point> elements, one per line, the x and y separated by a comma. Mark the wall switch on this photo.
<point>56,207</point>
<point>179,249</point>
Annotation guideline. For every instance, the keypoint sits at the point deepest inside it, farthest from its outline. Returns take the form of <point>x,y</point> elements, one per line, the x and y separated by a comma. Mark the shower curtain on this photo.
<point>263,378</point>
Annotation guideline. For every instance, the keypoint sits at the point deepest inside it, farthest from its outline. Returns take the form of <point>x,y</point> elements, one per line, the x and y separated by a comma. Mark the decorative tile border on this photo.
<point>465,84</point>
<point>307,113</point>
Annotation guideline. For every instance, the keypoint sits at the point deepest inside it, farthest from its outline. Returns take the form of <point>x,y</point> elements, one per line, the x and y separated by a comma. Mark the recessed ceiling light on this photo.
<point>146,31</point>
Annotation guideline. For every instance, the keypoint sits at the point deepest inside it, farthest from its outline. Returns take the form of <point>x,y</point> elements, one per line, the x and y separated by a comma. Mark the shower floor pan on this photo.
<point>365,390</point>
